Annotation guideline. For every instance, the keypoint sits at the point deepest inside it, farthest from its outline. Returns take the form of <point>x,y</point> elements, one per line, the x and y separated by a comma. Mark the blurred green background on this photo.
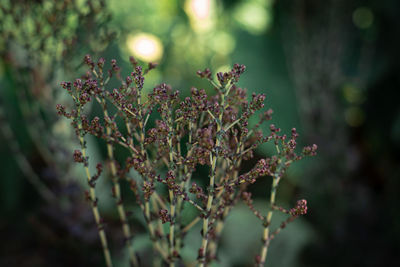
<point>329,68</point>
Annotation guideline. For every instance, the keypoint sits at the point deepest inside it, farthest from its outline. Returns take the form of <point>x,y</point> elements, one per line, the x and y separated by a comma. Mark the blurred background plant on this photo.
<point>330,68</point>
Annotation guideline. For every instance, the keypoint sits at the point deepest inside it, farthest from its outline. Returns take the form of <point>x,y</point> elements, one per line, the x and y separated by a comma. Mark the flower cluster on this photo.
<point>213,131</point>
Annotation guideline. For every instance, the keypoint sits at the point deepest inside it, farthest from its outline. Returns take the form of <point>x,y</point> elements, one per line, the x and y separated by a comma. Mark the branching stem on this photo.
<point>266,232</point>
<point>93,200</point>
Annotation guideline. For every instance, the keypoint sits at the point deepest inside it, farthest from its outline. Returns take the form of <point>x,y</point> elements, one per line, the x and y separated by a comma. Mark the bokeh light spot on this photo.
<point>353,94</point>
<point>253,17</point>
<point>200,8</point>
<point>146,47</point>
<point>363,17</point>
<point>200,14</point>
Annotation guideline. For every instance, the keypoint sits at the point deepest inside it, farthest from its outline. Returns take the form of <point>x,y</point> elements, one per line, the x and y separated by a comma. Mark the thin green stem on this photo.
<point>172,198</point>
<point>210,198</point>
<point>93,200</point>
<point>266,232</point>
<point>220,222</point>
<point>117,195</point>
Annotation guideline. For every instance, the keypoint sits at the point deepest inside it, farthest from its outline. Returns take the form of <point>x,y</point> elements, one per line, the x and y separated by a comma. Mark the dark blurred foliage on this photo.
<point>40,42</point>
<point>329,68</point>
<point>352,71</point>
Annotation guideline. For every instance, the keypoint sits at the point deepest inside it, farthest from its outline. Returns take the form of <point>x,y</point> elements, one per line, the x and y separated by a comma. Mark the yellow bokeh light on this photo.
<point>253,16</point>
<point>200,14</point>
<point>146,47</point>
<point>200,8</point>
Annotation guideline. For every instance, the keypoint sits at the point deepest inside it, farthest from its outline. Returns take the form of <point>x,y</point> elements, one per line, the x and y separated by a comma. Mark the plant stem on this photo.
<point>117,189</point>
<point>95,210</point>
<point>204,241</point>
<point>264,249</point>
<point>220,222</point>
<point>153,237</point>
<point>172,229</point>
<point>142,122</point>
<point>117,195</point>
<point>213,161</point>
<point>171,195</point>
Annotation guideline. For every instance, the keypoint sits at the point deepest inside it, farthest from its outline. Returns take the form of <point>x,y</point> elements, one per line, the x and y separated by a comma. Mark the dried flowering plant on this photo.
<point>213,131</point>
